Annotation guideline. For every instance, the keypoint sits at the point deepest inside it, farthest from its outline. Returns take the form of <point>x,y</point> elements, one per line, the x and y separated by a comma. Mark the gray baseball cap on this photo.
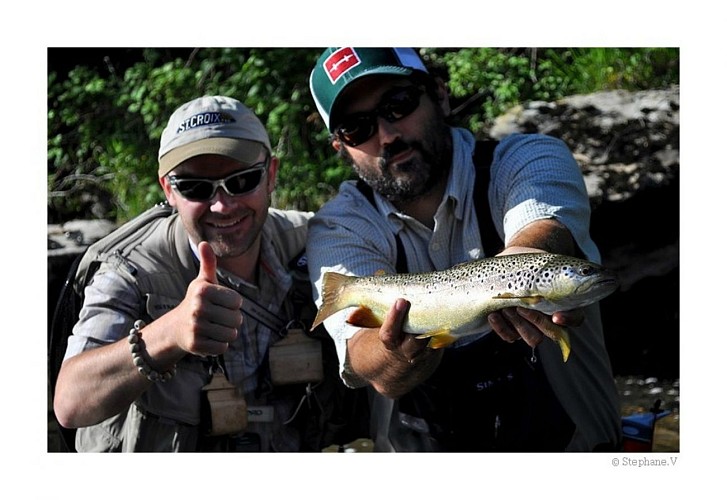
<point>212,125</point>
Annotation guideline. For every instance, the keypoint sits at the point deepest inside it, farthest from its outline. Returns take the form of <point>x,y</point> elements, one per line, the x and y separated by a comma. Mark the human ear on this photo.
<point>167,187</point>
<point>442,95</point>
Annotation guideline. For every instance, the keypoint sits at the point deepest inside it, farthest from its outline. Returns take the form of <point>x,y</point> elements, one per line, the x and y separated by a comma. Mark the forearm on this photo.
<point>99,383</point>
<point>545,234</point>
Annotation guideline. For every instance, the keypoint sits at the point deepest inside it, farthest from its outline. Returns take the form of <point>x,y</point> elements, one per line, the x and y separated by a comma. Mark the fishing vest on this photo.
<point>489,395</point>
<point>153,253</point>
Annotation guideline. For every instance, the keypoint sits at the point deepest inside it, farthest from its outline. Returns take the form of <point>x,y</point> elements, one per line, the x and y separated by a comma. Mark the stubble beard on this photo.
<point>230,245</point>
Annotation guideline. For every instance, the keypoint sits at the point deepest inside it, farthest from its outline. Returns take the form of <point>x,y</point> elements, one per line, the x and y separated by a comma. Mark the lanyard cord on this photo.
<point>257,311</point>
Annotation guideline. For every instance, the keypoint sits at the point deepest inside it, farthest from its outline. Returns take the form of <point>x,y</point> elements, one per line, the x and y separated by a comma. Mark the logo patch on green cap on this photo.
<point>340,62</point>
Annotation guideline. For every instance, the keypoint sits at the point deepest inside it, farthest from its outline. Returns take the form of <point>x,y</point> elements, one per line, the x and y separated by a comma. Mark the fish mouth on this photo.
<point>601,287</point>
<point>609,280</point>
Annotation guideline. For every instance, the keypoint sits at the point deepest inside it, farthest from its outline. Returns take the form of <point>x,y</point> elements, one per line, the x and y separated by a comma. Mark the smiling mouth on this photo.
<point>225,224</point>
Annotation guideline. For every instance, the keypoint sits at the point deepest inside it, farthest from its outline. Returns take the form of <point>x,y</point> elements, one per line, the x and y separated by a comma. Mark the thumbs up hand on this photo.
<point>209,316</point>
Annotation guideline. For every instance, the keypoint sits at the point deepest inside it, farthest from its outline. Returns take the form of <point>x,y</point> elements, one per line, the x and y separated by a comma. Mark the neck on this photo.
<point>245,265</point>
<point>424,207</point>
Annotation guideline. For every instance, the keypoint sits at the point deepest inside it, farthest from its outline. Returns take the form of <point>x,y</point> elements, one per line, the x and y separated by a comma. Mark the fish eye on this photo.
<point>587,270</point>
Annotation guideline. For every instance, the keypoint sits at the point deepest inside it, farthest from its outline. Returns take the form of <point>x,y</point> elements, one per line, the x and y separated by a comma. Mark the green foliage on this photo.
<point>105,120</point>
<point>486,82</point>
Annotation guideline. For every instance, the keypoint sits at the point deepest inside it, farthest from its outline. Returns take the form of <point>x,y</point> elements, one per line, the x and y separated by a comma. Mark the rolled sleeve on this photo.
<point>536,177</point>
<point>110,306</point>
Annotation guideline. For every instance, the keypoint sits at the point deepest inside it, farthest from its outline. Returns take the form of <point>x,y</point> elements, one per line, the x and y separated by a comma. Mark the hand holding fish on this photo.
<point>392,360</point>
<point>517,323</point>
<point>394,339</point>
<point>512,324</point>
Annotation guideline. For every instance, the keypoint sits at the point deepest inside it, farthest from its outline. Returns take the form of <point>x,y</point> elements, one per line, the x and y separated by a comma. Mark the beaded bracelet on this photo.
<point>137,346</point>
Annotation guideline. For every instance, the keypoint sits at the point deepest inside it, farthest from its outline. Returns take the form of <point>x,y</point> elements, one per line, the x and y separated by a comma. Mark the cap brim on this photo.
<point>244,151</point>
<point>377,71</point>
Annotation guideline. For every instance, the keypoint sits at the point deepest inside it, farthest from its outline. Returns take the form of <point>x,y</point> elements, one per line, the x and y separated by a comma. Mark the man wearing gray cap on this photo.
<point>172,351</point>
<point>418,207</point>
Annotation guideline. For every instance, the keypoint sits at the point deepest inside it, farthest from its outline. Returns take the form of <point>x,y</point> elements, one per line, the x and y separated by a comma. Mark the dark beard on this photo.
<point>424,172</point>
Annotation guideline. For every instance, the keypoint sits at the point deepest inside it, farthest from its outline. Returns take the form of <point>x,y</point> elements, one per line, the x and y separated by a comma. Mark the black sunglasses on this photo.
<point>236,184</point>
<point>398,103</point>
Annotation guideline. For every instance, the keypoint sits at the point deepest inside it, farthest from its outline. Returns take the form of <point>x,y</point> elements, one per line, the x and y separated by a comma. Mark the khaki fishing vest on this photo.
<point>156,257</point>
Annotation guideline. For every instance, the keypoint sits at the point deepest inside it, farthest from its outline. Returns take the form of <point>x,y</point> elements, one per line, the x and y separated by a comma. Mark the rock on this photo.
<point>624,141</point>
<point>65,243</point>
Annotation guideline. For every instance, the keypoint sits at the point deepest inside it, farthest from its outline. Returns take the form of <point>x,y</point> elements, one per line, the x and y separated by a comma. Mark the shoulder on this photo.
<point>352,216</point>
<point>153,242</point>
<point>288,220</point>
<point>349,205</point>
<point>531,146</point>
<point>136,231</point>
<point>352,235</point>
<point>527,140</point>
<point>533,156</point>
<point>287,230</point>
<point>139,231</point>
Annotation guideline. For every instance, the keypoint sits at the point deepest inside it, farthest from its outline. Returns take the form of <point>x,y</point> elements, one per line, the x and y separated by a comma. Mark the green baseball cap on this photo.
<point>337,67</point>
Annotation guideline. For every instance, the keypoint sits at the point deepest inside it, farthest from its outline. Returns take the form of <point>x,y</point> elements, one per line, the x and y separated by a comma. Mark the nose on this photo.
<point>221,202</point>
<point>388,132</point>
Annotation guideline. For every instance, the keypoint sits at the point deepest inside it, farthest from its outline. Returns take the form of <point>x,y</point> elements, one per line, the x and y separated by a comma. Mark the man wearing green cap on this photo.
<point>173,348</point>
<point>414,209</point>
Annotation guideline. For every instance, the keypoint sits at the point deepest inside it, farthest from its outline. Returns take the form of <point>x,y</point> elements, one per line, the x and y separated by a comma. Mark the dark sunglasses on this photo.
<point>236,184</point>
<point>398,103</point>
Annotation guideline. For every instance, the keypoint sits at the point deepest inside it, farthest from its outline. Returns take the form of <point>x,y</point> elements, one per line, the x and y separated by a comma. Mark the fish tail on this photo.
<point>333,285</point>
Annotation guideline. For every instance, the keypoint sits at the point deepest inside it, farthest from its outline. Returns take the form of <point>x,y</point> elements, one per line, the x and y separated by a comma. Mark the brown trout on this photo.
<point>450,304</point>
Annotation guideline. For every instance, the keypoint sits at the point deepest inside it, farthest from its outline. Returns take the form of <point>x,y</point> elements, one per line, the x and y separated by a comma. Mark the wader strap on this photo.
<point>401,264</point>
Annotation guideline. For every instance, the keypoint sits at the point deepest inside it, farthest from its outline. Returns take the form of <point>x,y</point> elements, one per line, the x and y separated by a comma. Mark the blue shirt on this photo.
<point>533,177</point>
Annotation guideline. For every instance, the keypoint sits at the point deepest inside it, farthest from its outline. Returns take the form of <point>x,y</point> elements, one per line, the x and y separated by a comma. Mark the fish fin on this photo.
<point>333,283</point>
<point>532,300</point>
<point>380,272</point>
<point>439,338</point>
<point>527,299</point>
<point>363,317</point>
<point>562,338</point>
